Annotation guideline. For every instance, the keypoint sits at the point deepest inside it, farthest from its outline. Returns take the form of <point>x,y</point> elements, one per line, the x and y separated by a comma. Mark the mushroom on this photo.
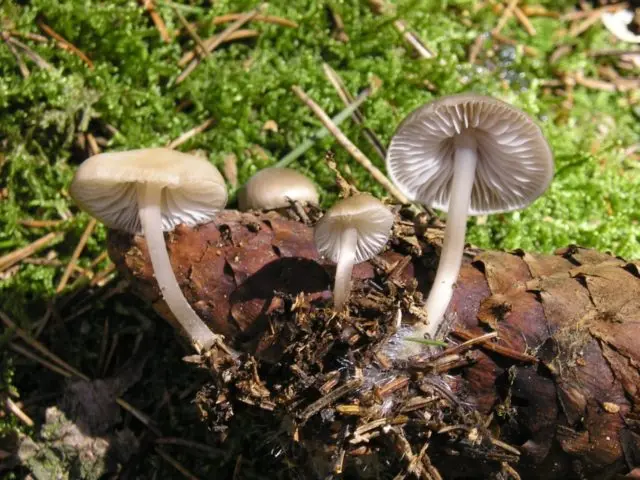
<point>619,24</point>
<point>275,187</point>
<point>352,231</point>
<point>466,154</point>
<point>149,191</point>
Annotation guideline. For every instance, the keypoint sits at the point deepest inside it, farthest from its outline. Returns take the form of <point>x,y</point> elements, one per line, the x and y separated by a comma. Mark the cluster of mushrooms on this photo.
<point>463,154</point>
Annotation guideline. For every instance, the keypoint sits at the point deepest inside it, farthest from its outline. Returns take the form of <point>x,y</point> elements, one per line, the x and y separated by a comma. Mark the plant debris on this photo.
<point>331,384</point>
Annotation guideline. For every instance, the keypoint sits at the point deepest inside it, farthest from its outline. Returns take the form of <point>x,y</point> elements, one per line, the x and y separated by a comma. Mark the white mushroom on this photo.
<point>351,232</point>
<point>466,155</point>
<point>618,24</point>
<point>149,191</point>
<point>274,187</point>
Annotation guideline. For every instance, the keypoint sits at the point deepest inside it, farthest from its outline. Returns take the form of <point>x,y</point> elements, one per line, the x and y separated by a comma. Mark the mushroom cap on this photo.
<point>271,188</point>
<point>105,185</point>
<point>618,24</point>
<point>515,163</point>
<point>368,215</point>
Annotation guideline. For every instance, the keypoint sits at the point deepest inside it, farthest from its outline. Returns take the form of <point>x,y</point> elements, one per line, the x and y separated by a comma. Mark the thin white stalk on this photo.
<point>464,172</point>
<point>151,220</point>
<point>344,267</point>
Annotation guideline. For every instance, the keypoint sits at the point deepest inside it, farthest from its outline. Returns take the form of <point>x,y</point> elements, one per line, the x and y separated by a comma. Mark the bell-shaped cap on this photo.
<point>273,187</point>
<point>515,163</point>
<point>105,186</point>
<point>367,215</point>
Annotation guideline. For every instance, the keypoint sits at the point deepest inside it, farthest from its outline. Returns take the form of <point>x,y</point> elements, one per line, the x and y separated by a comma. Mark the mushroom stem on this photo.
<point>149,198</point>
<point>464,170</point>
<point>344,267</point>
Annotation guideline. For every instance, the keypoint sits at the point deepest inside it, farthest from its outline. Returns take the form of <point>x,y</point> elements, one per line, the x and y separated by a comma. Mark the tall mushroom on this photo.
<point>466,154</point>
<point>351,232</point>
<point>149,191</point>
<point>274,187</point>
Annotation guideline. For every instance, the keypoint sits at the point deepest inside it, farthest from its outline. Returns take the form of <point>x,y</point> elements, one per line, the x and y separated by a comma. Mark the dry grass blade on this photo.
<point>65,44</point>
<point>76,255</point>
<point>357,116</point>
<point>175,464</point>
<point>190,134</point>
<point>157,20</point>
<point>39,346</point>
<point>218,40</point>
<point>14,409</point>
<point>24,71</point>
<point>354,151</point>
<point>192,33</point>
<point>16,256</point>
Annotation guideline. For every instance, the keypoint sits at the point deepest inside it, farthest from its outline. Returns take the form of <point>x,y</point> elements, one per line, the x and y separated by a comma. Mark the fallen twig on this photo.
<point>175,464</point>
<point>16,256</point>
<point>413,39</point>
<point>192,33</point>
<point>230,17</point>
<point>190,134</point>
<point>502,350</point>
<point>532,52</point>
<point>323,132</point>
<point>218,40</point>
<point>237,35</point>
<point>35,58</point>
<point>45,363</point>
<point>191,445</point>
<point>506,15</point>
<point>524,20</point>
<point>65,44</point>
<point>157,20</point>
<point>11,406</point>
<point>357,116</point>
<point>354,151</point>
<point>39,346</point>
<point>24,71</point>
<point>76,255</point>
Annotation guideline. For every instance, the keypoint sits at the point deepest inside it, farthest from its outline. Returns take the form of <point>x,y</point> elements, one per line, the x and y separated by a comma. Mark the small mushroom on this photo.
<point>351,232</point>
<point>275,187</point>
<point>150,191</point>
<point>619,24</point>
<point>466,154</point>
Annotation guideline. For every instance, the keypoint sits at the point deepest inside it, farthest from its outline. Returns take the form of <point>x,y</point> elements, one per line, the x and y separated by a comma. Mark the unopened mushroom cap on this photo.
<point>369,216</point>
<point>273,187</point>
<point>515,163</point>
<point>105,185</point>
